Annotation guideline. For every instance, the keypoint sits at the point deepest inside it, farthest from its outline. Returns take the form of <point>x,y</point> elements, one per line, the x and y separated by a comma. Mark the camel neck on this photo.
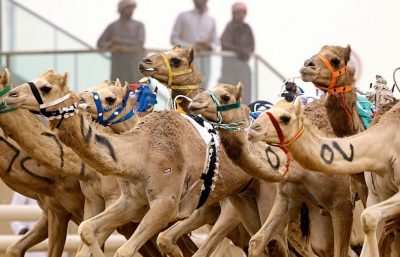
<point>41,143</point>
<point>237,148</point>
<point>337,155</point>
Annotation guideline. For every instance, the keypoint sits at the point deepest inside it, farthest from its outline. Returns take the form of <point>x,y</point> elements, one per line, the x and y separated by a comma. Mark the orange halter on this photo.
<point>332,88</point>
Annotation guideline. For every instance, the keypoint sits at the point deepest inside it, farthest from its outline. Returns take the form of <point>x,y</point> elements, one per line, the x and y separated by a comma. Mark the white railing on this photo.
<point>31,212</point>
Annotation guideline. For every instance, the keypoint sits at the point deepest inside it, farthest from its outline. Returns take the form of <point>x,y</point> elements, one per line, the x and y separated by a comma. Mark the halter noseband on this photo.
<point>110,120</point>
<point>282,143</point>
<point>332,88</point>
<point>172,73</point>
<point>57,114</point>
<point>221,108</point>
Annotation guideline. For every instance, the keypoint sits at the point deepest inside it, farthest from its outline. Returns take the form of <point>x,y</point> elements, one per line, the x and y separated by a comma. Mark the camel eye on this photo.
<point>175,62</point>
<point>110,100</point>
<point>225,98</point>
<point>335,62</point>
<point>45,89</point>
<point>285,119</point>
<point>257,127</point>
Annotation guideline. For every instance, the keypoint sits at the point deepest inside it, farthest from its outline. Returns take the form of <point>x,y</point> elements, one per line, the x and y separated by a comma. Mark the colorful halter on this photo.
<point>172,73</point>
<point>232,126</point>
<point>3,106</point>
<point>332,88</point>
<point>61,113</point>
<point>111,120</point>
<point>282,144</point>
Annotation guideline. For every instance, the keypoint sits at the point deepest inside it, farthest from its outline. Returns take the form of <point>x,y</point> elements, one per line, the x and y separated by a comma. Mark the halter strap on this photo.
<point>110,120</point>
<point>3,106</point>
<point>232,126</point>
<point>282,144</point>
<point>172,73</point>
<point>64,112</point>
<point>332,88</point>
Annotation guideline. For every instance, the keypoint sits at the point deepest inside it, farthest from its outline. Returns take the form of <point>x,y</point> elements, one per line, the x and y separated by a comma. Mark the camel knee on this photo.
<point>369,221</point>
<point>86,232</point>
<point>14,251</point>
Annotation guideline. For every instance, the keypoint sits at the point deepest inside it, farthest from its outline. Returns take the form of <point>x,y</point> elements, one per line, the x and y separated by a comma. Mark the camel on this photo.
<point>158,136</point>
<point>301,186</point>
<point>99,192</point>
<point>348,155</point>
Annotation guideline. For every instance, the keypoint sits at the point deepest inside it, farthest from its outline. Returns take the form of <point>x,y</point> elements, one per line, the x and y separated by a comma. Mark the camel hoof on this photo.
<point>168,247</point>
<point>125,252</point>
<point>256,246</point>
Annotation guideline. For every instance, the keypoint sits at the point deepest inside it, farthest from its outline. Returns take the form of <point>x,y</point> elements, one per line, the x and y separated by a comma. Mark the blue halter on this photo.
<point>110,119</point>
<point>146,98</point>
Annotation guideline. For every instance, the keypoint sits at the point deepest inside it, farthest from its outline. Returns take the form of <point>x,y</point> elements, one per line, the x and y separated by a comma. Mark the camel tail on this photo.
<point>305,222</point>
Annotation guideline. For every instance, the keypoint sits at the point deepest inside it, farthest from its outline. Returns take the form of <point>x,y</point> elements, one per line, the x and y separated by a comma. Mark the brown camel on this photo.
<point>343,156</point>
<point>99,191</point>
<point>301,187</point>
<point>159,140</point>
<point>328,70</point>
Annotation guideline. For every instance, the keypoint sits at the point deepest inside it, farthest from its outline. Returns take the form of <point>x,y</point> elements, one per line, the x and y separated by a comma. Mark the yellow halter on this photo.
<point>172,73</point>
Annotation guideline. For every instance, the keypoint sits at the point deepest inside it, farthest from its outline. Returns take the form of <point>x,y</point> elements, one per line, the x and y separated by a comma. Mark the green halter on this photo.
<point>3,105</point>
<point>232,126</point>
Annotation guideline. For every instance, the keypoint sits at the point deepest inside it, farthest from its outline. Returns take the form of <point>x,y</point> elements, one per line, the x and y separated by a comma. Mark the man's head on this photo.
<point>239,11</point>
<point>200,4</point>
<point>126,7</point>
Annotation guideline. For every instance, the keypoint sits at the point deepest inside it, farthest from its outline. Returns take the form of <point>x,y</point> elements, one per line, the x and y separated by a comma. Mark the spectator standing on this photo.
<point>196,28</point>
<point>238,38</point>
<point>125,39</point>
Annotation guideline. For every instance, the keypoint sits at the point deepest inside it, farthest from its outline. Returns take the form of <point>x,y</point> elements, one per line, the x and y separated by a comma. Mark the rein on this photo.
<point>3,106</point>
<point>111,120</point>
<point>232,126</point>
<point>282,143</point>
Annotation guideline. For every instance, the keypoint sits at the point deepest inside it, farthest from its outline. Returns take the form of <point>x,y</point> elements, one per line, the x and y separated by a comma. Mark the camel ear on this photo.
<point>347,53</point>
<point>190,55</point>
<point>298,108</point>
<point>239,91</point>
<point>118,83</point>
<point>64,79</point>
<point>5,77</point>
<point>107,82</point>
<point>125,88</point>
<point>177,46</point>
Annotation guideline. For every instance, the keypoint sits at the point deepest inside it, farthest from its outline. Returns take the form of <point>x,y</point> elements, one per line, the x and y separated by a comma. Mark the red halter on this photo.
<point>282,144</point>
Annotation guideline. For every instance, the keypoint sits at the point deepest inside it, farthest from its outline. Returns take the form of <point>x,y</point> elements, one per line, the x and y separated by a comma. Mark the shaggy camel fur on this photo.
<point>344,156</point>
<point>301,186</point>
<point>327,69</point>
<point>154,170</point>
<point>23,126</point>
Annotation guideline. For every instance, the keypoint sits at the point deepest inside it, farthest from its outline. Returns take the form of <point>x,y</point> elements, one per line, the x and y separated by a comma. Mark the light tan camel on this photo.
<point>329,71</point>
<point>153,169</point>
<point>59,197</point>
<point>330,234</point>
<point>344,156</point>
<point>99,191</point>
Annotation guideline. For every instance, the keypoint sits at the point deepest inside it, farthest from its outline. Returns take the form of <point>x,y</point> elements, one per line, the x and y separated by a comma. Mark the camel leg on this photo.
<point>167,239</point>
<point>321,233</point>
<point>342,219</point>
<point>276,221</point>
<point>246,207</point>
<point>226,223</point>
<point>58,225</point>
<point>96,230</point>
<point>34,236</point>
<point>373,219</point>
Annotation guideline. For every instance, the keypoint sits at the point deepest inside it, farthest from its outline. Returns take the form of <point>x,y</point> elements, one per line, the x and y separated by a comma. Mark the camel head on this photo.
<point>289,118</point>
<point>51,88</point>
<point>111,97</point>
<point>221,104</point>
<point>173,68</point>
<point>329,68</point>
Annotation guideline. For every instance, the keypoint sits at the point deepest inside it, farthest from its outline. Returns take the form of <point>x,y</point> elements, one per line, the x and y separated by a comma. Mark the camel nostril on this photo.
<point>309,64</point>
<point>147,61</point>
